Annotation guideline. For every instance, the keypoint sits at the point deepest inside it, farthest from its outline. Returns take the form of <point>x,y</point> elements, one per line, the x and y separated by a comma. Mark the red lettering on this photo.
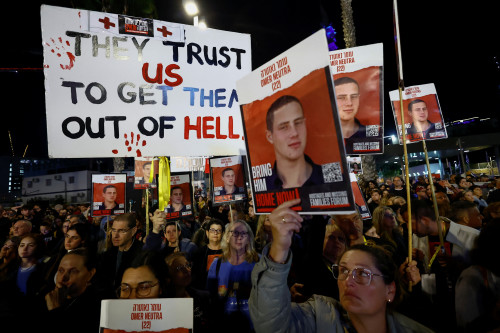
<point>145,73</point>
<point>265,199</point>
<point>231,134</point>
<point>207,127</point>
<point>217,129</point>
<point>188,127</point>
<point>168,71</point>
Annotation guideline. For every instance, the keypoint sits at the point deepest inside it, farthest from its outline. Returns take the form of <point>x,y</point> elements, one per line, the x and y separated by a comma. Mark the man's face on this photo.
<point>171,234</point>
<point>177,196</point>
<point>347,100</point>
<point>110,194</point>
<point>419,112</point>
<point>376,197</point>
<point>351,225</point>
<point>228,178</point>
<point>147,171</point>
<point>475,218</point>
<point>289,134</point>
<point>397,181</point>
<point>121,233</point>
<point>463,183</point>
<point>73,220</point>
<point>20,228</point>
<point>65,227</point>
<point>72,275</point>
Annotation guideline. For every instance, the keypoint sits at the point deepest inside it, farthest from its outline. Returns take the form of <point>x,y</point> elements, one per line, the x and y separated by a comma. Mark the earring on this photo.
<point>389,301</point>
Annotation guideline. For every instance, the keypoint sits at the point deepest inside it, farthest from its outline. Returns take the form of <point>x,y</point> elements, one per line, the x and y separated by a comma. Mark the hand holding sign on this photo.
<point>284,221</point>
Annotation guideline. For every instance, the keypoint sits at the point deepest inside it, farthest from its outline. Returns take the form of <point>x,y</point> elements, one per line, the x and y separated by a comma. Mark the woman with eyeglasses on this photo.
<point>366,278</point>
<point>203,258</point>
<point>145,278</point>
<point>229,276</point>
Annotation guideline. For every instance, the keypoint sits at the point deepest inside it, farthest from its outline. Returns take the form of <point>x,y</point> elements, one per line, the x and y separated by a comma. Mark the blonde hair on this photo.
<point>250,253</point>
<point>261,238</point>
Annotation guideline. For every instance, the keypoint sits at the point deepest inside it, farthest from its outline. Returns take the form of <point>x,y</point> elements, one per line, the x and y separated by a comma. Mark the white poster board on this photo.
<point>116,86</point>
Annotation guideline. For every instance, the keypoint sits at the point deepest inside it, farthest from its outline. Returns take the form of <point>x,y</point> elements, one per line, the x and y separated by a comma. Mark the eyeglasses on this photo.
<point>184,267</point>
<point>360,275</point>
<point>215,231</point>
<point>143,289</point>
<point>237,234</point>
<point>121,231</point>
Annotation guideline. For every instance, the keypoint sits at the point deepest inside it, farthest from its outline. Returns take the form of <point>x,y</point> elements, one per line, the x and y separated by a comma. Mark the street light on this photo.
<point>190,7</point>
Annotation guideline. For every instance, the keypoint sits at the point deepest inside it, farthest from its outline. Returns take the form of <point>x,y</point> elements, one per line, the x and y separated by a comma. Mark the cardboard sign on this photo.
<point>142,166</point>
<point>108,194</point>
<point>228,179</point>
<point>423,117</point>
<point>359,198</point>
<point>358,81</point>
<point>181,197</point>
<point>123,86</point>
<point>354,163</point>
<point>292,132</point>
<point>166,315</point>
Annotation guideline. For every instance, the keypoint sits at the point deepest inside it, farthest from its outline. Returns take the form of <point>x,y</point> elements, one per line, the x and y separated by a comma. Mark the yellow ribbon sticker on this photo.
<point>164,183</point>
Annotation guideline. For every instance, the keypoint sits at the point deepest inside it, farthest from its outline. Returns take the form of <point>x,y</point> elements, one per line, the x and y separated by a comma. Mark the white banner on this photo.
<point>123,86</point>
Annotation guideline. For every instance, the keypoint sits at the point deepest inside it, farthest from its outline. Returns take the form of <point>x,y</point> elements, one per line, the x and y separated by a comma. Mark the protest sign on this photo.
<point>108,194</point>
<point>359,198</point>
<point>423,117</point>
<point>292,132</point>
<point>183,163</point>
<point>359,86</point>
<point>354,164</point>
<point>124,86</point>
<point>181,198</point>
<point>228,179</point>
<point>166,315</point>
<point>142,172</point>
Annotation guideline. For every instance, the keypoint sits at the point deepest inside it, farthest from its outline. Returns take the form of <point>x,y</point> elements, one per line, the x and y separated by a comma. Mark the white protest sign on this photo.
<point>123,86</point>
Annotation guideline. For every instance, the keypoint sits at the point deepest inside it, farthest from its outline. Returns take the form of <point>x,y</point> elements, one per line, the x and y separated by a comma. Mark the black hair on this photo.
<point>106,188</point>
<point>345,80</point>
<point>89,258</point>
<point>226,169</point>
<point>82,230</point>
<point>127,217</point>
<point>154,261</point>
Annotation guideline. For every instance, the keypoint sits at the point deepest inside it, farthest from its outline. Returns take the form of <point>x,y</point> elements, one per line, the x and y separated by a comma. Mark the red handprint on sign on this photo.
<point>57,48</point>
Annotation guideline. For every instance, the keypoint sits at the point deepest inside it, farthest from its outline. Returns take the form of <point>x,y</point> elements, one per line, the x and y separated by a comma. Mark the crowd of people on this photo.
<point>279,272</point>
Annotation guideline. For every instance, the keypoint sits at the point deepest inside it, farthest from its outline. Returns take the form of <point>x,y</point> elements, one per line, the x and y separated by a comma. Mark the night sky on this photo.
<point>456,47</point>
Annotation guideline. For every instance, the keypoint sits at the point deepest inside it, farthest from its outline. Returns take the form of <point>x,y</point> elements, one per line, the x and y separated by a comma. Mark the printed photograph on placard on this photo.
<point>142,168</point>
<point>422,113</point>
<point>359,198</point>
<point>354,163</point>
<point>180,205</point>
<point>359,86</point>
<point>292,134</point>
<point>228,179</point>
<point>108,194</point>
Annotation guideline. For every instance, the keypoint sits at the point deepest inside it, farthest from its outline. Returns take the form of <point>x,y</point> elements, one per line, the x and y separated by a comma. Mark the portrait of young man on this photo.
<point>228,178</point>
<point>109,194</point>
<point>420,125</point>
<point>347,93</point>
<point>287,132</point>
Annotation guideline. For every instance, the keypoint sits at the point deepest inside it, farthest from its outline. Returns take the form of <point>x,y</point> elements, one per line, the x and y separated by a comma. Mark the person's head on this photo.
<point>367,280</point>
<point>486,251</point>
<point>65,226</point>
<point>172,232</point>
<point>286,128</point>
<point>477,191</point>
<point>398,182</point>
<point>397,200</point>
<point>76,237</point>
<point>25,211</point>
<point>372,184</point>
<point>442,198</point>
<point>466,213</point>
<point>239,238</point>
<point>228,177</point>
<point>31,246</point>
<point>376,196</point>
<point>462,182</point>
<point>146,170</point>
<point>388,182</point>
<point>214,230</point>
<point>467,195</point>
<point>21,228</point>
<point>123,231</point>
<point>45,228</point>
<point>492,211</point>
<point>75,272</point>
<point>384,219</point>
<point>9,251</point>
<point>350,224</point>
<point>421,192</point>
<point>109,193</point>
<point>74,219</point>
<point>176,195</point>
<point>145,278</point>
<point>334,243</point>
<point>179,269</point>
<point>263,234</point>
<point>417,109</point>
<point>347,93</point>
<point>423,218</point>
